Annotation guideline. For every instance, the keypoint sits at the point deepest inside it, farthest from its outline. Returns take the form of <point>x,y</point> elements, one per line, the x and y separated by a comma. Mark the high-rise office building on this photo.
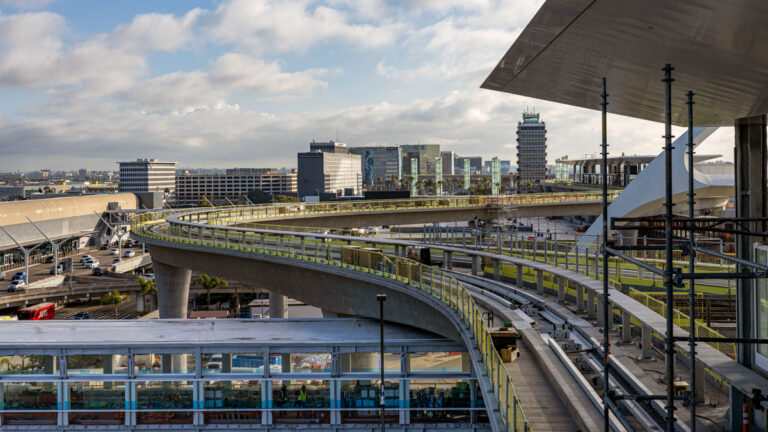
<point>449,162</point>
<point>531,149</point>
<point>329,169</point>
<point>379,164</point>
<point>506,166</point>
<point>147,175</point>
<point>425,154</point>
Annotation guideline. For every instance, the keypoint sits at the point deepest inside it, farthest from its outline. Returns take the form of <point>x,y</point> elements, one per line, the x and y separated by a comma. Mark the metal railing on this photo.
<point>442,286</point>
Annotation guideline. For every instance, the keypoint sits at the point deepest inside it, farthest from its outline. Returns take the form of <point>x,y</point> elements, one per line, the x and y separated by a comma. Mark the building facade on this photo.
<point>449,162</point>
<point>190,188</point>
<point>531,149</point>
<point>328,147</point>
<point>329,171</point>
<point>147,175</point>
<point>379,164</point>
<point>424,154</point>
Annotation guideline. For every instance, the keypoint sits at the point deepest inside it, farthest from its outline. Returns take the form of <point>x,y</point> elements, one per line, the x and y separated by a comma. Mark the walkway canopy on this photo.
<point>719,50</point>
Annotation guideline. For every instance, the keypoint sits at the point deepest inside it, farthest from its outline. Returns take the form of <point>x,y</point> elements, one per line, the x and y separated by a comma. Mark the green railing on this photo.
<point>442,286</point>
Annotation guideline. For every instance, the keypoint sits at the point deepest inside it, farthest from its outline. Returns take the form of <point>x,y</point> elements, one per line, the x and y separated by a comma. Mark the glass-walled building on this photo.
<point>234,379</point>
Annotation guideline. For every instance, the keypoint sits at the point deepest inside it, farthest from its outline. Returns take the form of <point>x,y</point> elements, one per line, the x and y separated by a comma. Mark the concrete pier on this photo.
<point>172,289</point>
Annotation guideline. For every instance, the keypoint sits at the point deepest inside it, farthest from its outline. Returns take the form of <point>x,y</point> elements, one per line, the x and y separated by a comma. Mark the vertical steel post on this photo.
<point>381,298</point>
<point>606,326</point>
<point>668,287</point>
<point>691,265</point>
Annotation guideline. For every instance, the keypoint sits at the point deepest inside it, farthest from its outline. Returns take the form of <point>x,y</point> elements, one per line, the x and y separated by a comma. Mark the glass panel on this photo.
<point>96,395</point>
<point>97,418</point>
<point>360,400</point>
<point>232,394</point>
<point>164,363</point>
<point>156,395</point>
<point>369,362</point>
<point>237,363</point>
<point>29,364</point>
<point>95,364</point>
<point>30,396</point>
<point>298,394</point>
<point>435,362</point>
<point>232,417</point>
<point>311,362</point>
<point>28,419</point>
<point>434,401</point>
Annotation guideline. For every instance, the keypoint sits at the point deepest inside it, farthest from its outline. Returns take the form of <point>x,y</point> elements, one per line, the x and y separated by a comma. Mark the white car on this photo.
<point>92,264</point>
<point>129,253</point>
<point>17,284</point>
<point>85,258</point>
<point>114,251</point>
<point>148,276</point>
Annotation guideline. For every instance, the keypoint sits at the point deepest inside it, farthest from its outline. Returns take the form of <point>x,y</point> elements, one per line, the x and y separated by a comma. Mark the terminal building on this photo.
<point>147,175</point>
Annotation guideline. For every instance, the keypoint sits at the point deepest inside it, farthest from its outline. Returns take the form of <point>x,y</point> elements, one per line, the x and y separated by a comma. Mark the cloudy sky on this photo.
<point>248,83</point>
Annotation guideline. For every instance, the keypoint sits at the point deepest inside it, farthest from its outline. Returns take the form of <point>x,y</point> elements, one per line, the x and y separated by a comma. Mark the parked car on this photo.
<point>105,246</point>
<point>85,257</point>
<point>116,260</point>
<point>2,276</point>
<point>98,271</point>
<point>148,276</point>
<point>16,285</point>
<point>82,315</point>
<point>114,251</point>
<point>19,275</point>
<point>92,264</point>
<point>129,253</point>
<point>49,259</point>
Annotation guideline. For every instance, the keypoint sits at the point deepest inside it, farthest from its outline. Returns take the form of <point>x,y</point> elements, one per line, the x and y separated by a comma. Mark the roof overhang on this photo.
<point>719,49</point>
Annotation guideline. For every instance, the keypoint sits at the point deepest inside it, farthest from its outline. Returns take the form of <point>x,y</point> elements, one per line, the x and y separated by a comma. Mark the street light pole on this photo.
<point>381,298</point>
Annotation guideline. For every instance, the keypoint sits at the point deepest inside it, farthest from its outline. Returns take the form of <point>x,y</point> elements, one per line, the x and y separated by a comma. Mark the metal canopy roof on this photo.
<point>719,49</point>
<point>205,332</point>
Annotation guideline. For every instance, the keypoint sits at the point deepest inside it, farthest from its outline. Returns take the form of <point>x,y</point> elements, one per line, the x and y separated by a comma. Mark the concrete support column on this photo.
<point>580,298</point>
<point>519,275</point>
<point>591,304</point>
<point>226,363</point>
<point>626,327</point>
<point>278,305</point>
<point>448,260</point>
<point>466,362</point>
<point>599,312</point>
<point>49,366</point>
<point>560,289</point>
<point>285,362</point>
<point>172,289</point>
<point>751,157</point>
<point>496,270</point>
<point>646,340</point>
<point>539,282</point>
<point>700,377</point>
<point>475,265</point>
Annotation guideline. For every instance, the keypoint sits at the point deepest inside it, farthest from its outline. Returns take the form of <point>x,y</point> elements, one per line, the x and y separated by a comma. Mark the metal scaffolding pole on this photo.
<point>668,286</point>
<point>606,318</point>
<point>692,266</point>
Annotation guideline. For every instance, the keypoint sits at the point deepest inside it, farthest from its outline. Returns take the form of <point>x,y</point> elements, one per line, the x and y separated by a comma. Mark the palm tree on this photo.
<point>147,287</point>
<point>115,299</point>
<point>209,283</point>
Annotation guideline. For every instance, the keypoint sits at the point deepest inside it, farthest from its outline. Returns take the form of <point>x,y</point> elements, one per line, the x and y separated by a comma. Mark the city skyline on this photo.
<point>250,83</point>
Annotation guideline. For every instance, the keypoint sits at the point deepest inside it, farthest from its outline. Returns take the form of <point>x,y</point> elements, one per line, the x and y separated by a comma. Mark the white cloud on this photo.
<point>241,72</point>
<point>156,32</point>
<point>26,4</point>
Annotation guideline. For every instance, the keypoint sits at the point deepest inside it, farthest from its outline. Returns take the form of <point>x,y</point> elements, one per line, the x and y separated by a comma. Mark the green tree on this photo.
<point>258,196</point>
<point>209,283</point>
<point>114,299</point>
<point>147,287</point>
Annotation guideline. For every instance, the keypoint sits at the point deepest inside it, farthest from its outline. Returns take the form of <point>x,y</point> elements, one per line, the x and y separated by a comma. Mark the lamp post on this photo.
<point>381,298</point>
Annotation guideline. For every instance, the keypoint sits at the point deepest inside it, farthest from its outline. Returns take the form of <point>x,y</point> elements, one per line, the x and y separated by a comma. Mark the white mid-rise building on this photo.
<point>323,172</point>
<point>147,175</point>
